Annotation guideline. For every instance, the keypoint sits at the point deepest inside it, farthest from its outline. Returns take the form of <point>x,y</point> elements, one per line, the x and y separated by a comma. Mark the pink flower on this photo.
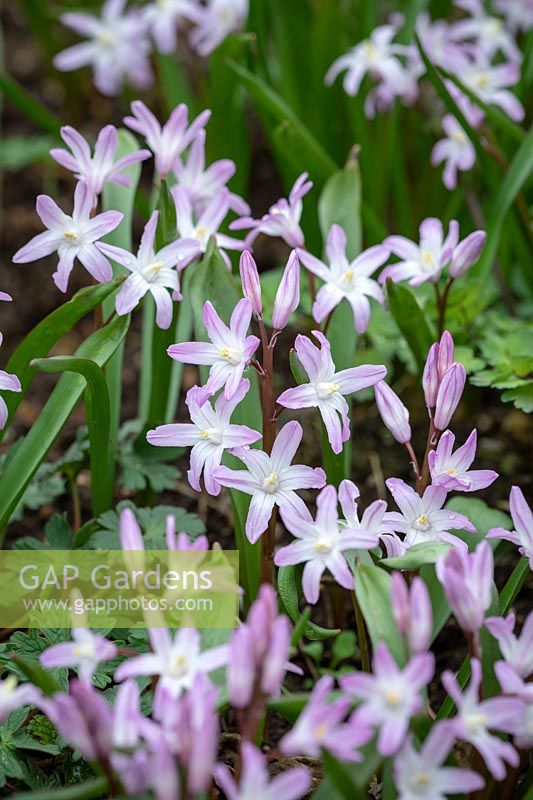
<point>344,279</point>
<point>411,608</point>
<point>255,781</point>
<point>216,21</point>
<point>451,470</point>
<point>320,543</point>
<point>84,653</point>
<point>151,272</point>
<point>117,48</point>
<point>98,169</point>
<point>13,696</point>
<point>283,218</point>
<point>393,412</point>
<point>209,433</point>
<point>421,776</point>
<point>377,56</point>
<point>164,19</point>
<point>390,696</point>
<point>203,184</point>
<point>522,536</point>
<point>475,719</point>
<point>516,650</point>
<point>71,237</point>
<point>456,150</point>
<point>513,684</point>
<point>259,651</point>
<point>439,359</point>
<point>490,84</point>
<point>489,33</point>
<point>228,353</point>
<point>271,480</point>
<point>518,14</point>
<point>177,662</point>
<point>426,260</point>
<point>321,726</point>
<point>422,519</point>
<point>167,142</point>
<point>327,388</point>
<point>467,580</point>
<point>203,226</point>
<point>182,540</point>
<point>372,520</point>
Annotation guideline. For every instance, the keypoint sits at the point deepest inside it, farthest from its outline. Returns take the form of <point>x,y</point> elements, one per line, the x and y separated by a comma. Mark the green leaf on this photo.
<point>99,347</point>
<point>47,332</point>
<point>346,778</point>
<point>20,151</point>
<point>30,107</point>
<point>84,791</point>
<point>340,203</point>
<point>40,677</point>
<point>320,163</point>
<point>516,176</point>
<point>373,592</point>
<point>152,522</point>
<point>480,514</point>
<point>97,413</point>
<point>411,320</point>
<point>417,556</point>
<point>288,593</point>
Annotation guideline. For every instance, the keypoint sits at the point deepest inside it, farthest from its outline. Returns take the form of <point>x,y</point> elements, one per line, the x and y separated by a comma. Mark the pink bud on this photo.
<point>241,667</point>
<point>251,285</point>
<point>129,531</point>
<point>400,602</point>
<point>421,622</point>
<point>449,395</point>
<point>467,253</point>
<point>288,294</point>
<point>393,412</point>
<point>275,661</point>
<point>430,377</point>
<point>446,353</point>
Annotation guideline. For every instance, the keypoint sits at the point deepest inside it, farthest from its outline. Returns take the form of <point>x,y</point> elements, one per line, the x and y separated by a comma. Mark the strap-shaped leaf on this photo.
<point>97,415</point>
<point>31,452</point>
<point>288,593</point>
<point>77,791</point>
<point>39,341</point>
<point>373,592</point>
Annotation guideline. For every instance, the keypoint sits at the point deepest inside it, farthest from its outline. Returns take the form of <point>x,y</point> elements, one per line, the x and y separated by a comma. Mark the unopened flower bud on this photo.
<point>400,602</point>
<point>393,412</point>
<point>288,294</point>
<point>430,377</point>
<point>467,253</point>
<point>241,668</point>
<point>446,353</point>
<point>251,285</point>
<point>449,395</point>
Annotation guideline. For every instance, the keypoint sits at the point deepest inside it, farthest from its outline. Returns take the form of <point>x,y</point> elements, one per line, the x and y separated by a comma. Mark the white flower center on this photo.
<point>428,260</point>
<point>84,650</point>
<point>475,721</point>
<point>493,28</point>
<point>346,280</point>
<point>393,698</point>
<point>178,666</point>
<point>201,234</point>
<point>322,545</point>
<point>71,236</point>
<point>231,355</point>
<point>151,272</point>
<point>452,472</point>
<point>271,483</point>
<point>8,686</point>
<point>212,435</point>
<point>370,50</point>
<point>481,81</point>
<point>422,523</point>
<point>106,38</point>
<point>460,137</point>
<point>325,390</point>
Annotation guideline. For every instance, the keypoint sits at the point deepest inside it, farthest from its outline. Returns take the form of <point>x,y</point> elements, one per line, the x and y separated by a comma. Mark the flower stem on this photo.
<point>268,407</point>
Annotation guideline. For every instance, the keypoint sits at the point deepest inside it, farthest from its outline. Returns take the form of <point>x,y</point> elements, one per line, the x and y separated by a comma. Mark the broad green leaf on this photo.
<point>340,203</point>
<point>417,556</point>
<point>480,514</point>
<point>21,151</point>
<point>97,415</point>
<point>411,320</point>
<point>373,592</point>
<point>99,347</point>
<point>288,593</point>
<point>46,333</point>
<point>289,705</point>
<point>174,83</point>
